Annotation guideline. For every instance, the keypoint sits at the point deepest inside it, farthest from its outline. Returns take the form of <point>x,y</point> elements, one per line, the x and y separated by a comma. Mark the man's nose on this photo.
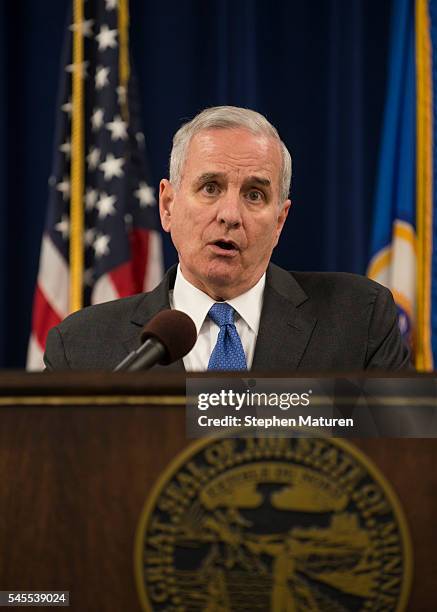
<point>229,211</point>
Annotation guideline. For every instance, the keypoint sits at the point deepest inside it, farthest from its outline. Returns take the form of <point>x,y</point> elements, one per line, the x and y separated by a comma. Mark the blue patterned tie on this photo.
<point>228,353</point>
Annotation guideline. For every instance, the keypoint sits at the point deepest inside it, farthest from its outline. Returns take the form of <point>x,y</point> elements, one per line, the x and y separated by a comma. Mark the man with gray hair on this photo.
<point>224,206</point>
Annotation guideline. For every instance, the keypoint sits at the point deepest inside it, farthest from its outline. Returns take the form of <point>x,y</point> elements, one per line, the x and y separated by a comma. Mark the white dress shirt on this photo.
<point>196,304</point>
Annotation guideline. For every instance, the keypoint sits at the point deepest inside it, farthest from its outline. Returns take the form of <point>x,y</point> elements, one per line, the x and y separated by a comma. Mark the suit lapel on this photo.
<point>285,328</point>
<point>148,307</point>
<point>284,332</point>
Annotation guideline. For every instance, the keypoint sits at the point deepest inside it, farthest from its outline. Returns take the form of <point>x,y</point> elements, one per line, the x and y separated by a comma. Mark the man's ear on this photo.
<point>283,214</point>
<point>166,199</point>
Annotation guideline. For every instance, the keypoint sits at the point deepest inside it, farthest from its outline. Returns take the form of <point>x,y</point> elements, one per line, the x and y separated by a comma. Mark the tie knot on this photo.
<point>222,314</point>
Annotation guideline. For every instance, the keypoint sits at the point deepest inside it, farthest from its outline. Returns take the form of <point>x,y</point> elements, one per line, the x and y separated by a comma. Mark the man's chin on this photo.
<point>223,274</point>
<point>220,280</point>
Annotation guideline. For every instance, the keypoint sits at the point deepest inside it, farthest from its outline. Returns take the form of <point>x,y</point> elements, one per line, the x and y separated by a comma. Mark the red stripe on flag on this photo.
<point>129,277</point>
<point>139,245</point>
<point>43,318</point>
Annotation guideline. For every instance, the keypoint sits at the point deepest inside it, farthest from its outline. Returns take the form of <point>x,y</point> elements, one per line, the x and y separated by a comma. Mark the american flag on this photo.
<point>122,243</point>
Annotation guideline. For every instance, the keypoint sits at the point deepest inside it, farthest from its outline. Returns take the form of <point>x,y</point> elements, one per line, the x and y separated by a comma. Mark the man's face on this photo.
<point>226,218</point>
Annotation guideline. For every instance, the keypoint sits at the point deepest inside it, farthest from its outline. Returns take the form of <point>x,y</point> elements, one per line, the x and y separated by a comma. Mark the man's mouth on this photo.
<point>225,247</point>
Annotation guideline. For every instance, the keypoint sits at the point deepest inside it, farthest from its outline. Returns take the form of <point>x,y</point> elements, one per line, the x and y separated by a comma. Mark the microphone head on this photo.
<point>176,332</point>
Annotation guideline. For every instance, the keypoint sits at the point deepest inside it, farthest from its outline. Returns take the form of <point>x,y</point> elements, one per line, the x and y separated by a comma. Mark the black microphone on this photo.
<point>167,337</point>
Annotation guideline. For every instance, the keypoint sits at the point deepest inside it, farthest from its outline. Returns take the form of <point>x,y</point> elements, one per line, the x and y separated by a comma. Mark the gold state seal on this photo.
<point>277,524</point>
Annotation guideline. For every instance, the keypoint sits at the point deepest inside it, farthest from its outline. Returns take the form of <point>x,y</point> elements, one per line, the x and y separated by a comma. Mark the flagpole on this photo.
<point>77,164</point>
<point>123,59</point>
<point>424,360</point>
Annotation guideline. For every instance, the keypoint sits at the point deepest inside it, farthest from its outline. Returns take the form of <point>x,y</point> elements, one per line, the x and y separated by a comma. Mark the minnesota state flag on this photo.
<point>404,249</point>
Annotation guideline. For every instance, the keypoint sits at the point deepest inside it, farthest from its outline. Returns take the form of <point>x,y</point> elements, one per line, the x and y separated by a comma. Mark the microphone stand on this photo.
<point>147,355</point>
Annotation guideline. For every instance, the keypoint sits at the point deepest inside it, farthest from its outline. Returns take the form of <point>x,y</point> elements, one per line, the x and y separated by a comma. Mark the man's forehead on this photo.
<point>211,150</point>
<point>228,137</point>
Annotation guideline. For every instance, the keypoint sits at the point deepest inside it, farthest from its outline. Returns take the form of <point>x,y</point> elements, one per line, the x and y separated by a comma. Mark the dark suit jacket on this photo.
<point>310,321</point>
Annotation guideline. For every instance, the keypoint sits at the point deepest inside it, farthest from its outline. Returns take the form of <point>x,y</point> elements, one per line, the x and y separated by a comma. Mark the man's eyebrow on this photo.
<point>213,176</point>
<point>209,176</point>
<point>259,179</point>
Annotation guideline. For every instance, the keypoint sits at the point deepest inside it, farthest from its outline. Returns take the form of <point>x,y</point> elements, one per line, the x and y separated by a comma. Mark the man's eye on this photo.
<point>255,196</point>
<point>210,188</point>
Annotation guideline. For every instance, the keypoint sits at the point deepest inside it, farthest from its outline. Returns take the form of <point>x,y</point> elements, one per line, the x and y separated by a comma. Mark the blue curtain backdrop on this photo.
<point>316,69</point>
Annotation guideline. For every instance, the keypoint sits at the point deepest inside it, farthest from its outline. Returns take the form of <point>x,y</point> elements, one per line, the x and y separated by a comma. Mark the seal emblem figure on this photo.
<point>287,525</point>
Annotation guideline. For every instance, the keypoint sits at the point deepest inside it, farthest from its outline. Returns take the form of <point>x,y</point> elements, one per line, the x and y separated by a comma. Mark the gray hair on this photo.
<point>227,117</point>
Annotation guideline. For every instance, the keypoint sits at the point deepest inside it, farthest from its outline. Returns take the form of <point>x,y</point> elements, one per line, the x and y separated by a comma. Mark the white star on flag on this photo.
<point>101,245</point>
<point>105,205</point>
<point>90,235</point>
<point>85,27</point>
<point>97,118</point>
<point>111,4</point>
<point>82,68</point>
<point>93,158</point>
<point>88,277</point>
<point>91,198</point>
<point>102,74</point>
<point>121,94</point>
<point>64,188</point>
<point>106,38</point>
<point>117,127</point>
<point>67,107</point>
<point>112,167</point>
<point>63,226</point>
<point>140,138</point>
<point>66,148</point>
<point>145,194</point>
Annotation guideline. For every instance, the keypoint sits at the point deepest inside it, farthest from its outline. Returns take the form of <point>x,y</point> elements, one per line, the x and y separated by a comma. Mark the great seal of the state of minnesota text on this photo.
<point>287,525</point>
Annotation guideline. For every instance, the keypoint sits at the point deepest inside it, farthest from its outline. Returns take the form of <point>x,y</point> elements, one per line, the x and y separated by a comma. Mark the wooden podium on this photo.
<point>79,454</point>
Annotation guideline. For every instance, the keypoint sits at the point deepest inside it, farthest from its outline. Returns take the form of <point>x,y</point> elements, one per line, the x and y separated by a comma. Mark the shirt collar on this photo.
<point>196,304</point>
<point>249,304</point>
<point>189,299</point>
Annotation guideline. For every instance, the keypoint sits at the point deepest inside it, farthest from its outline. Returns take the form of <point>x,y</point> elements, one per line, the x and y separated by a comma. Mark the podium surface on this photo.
<point>79,456</point>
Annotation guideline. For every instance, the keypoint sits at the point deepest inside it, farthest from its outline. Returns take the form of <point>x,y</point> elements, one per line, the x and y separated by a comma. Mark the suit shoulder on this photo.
<point>102,315</point>
<point>92,338</point>
<point>338,284</point>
